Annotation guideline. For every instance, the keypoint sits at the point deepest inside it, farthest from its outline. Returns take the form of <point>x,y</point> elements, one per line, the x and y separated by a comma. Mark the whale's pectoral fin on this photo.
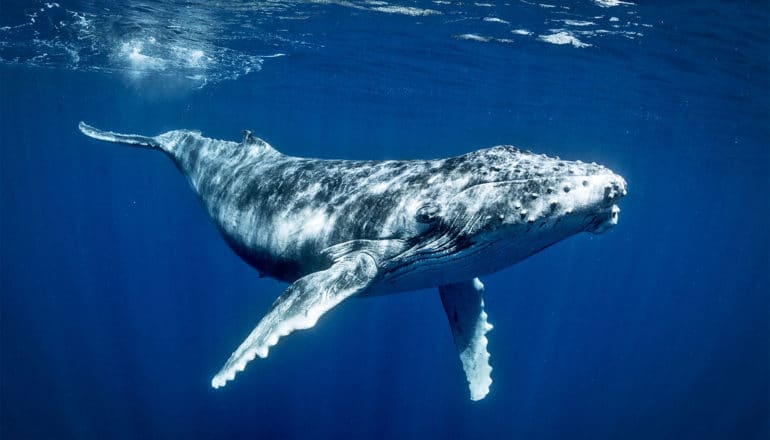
<point>300,306</point>
<point>464,307</point>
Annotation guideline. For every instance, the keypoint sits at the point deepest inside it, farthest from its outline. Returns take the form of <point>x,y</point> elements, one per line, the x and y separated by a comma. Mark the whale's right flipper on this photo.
<point>464,307</point>
<point>300,306</point>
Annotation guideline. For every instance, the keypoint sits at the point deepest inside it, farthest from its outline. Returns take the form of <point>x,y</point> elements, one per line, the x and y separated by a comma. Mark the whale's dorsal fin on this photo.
<point>299,307</point>
<point>249,140</point>
<point>464,307</point>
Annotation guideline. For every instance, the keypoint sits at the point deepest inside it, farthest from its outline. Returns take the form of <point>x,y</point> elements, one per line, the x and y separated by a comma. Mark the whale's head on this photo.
<point>516,203</point>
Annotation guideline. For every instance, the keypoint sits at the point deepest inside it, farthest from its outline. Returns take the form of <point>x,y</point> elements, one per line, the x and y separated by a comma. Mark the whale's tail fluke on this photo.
<point>109,136</point>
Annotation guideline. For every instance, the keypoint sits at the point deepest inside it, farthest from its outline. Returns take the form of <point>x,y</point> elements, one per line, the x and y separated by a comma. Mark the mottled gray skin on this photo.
<point>429,222</point>
<point>338,228</point>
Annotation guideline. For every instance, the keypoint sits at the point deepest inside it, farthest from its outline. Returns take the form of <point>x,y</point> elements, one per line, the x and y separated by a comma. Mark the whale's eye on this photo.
<point>427,213</point>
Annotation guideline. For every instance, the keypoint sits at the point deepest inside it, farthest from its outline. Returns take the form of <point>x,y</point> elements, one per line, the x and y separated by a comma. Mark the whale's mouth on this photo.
<point>605,220</point>
<point>607,216</point>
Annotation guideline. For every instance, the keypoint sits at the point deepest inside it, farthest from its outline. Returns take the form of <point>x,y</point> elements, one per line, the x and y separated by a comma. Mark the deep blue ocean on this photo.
<point>119,300</point>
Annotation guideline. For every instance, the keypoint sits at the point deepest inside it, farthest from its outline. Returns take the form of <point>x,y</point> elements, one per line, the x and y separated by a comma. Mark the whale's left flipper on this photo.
<point>300,306</point>
<point>464,307</point>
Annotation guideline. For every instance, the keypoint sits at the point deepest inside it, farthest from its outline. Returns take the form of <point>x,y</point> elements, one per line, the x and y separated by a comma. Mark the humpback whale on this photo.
<point>335,229</point>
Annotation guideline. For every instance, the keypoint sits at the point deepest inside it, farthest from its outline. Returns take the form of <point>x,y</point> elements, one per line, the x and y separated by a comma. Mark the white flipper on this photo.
<point>464,307</point>
<point>299,307</point>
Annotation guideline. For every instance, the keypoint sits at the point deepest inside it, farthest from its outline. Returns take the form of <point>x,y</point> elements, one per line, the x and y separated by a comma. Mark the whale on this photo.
<point>336,229</point>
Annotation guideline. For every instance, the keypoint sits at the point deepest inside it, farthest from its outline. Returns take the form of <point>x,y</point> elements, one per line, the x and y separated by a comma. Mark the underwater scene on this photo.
<point>396,219</point>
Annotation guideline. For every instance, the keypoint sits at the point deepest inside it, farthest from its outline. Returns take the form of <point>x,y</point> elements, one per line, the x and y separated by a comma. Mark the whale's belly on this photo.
<point>479,259</point>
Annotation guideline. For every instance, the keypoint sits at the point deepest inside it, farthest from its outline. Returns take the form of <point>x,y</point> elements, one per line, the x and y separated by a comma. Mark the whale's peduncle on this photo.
<point>129,139</point>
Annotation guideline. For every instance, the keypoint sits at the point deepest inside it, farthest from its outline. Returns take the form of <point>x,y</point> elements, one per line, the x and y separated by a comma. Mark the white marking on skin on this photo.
<point>313,189</point>
<point>314,223</point>
<point>379,188</point>
<point>290,230</point>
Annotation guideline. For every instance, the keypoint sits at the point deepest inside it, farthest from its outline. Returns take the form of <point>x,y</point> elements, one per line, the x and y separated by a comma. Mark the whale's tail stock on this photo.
<point>109,136</point>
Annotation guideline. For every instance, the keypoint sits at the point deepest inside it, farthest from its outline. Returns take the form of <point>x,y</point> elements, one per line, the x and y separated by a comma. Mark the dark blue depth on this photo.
<point>119,301</point>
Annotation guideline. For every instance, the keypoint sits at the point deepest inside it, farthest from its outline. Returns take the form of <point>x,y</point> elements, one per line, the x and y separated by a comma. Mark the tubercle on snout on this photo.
<point>587,200</point>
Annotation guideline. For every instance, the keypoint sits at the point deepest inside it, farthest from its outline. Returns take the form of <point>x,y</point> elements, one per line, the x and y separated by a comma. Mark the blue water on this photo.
<point>119,300</point>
